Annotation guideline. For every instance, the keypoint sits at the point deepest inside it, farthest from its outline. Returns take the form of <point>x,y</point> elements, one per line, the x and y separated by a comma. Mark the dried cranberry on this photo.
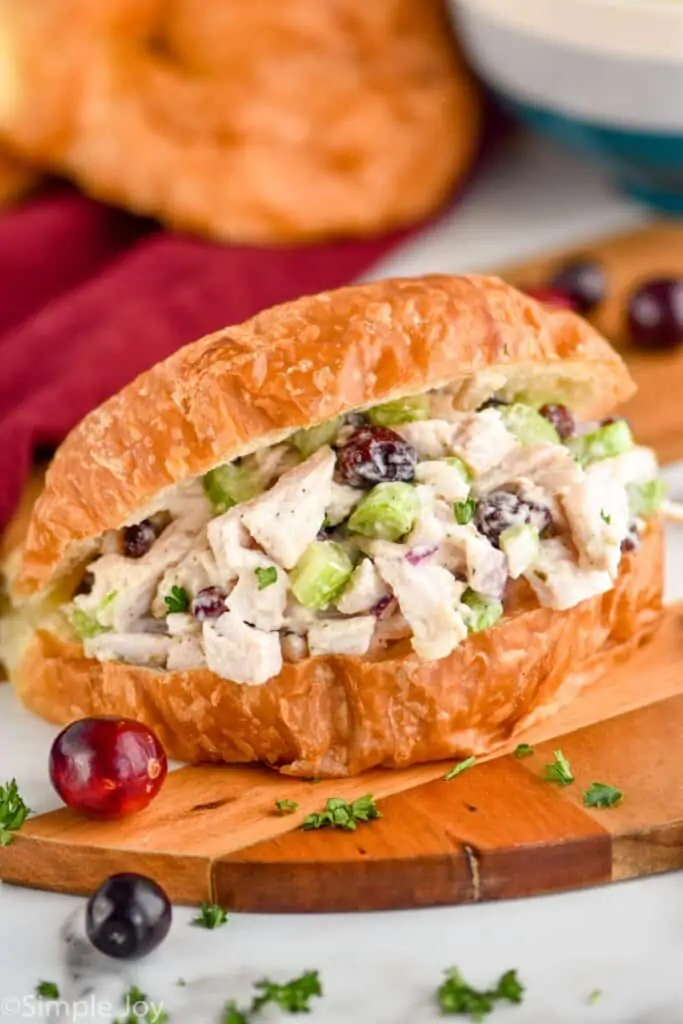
<point>655,313</point>
<point>86,584</point>
<point>631,541</point>
<point>560,417</point>
<point>375,455</point>
<point>209,603</point>
<point>584,281</point>
<point>138,539</point>
<point>551,297</point>
<point>492,403</point>
<point>502,509</point>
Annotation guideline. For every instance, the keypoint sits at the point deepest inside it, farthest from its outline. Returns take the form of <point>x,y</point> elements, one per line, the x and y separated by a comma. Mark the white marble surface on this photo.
<point>626,940</point>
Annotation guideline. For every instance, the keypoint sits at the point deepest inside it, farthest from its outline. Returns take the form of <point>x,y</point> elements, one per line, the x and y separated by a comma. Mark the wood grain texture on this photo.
<point>497,830</point>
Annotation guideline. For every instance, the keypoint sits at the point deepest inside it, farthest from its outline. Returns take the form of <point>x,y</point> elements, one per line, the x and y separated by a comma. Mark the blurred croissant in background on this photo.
<point>244,120</point>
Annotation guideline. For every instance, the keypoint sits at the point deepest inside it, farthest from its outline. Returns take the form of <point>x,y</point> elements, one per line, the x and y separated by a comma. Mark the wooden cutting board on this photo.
<point>498,829</point>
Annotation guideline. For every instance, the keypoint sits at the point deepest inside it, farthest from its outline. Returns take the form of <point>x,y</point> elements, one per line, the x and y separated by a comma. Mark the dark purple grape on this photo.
<point>654,314</point>
<point>631,541</point>
<point>376,455</point>
<point>128,916</point>
<point>86,584</point>
<point>210,603</point>
<point>560,417</point>
<point>501,509</point>
<point>583,280</point>
<point>492,403</point>
<point>138,539</point>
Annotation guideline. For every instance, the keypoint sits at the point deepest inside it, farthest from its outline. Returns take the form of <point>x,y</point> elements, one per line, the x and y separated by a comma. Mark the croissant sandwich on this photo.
<point>377,526</point>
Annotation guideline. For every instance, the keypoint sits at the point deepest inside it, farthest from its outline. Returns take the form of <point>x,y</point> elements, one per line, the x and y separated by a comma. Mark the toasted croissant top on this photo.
<point>297,365</point>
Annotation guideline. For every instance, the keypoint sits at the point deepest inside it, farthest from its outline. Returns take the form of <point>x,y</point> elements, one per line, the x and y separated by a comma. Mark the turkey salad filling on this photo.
<point>410,523</point>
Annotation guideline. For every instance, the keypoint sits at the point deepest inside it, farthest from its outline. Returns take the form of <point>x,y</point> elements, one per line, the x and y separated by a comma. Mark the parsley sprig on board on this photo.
<point>337,813</point>
<point>559,771</point>
<point>13,812</point>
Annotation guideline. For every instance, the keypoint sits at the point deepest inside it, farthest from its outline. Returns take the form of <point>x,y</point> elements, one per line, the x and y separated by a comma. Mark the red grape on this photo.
<point>107,767</point>
<point>655,313</point>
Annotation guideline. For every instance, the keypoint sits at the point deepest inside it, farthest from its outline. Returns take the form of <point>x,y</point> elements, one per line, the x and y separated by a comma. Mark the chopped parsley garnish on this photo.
<point>594,996</point>
<point>599,794</point>
<point>13,812</point>
<point>266,577</point>
<point>210,916</point>
<point>457,769</point>
<point>47,990</point>
<point>140,1010</point>
<point>455,996</point>
<point>464,510</point>
<point>178,600</point>
<point>293,997</point>
<point>181,983</point>
<point>340,814</point>
<point>559,771</point>
<point>523,750</point>
<point>233,1015</point>
<point>286,806</point>
<point>606,517</point>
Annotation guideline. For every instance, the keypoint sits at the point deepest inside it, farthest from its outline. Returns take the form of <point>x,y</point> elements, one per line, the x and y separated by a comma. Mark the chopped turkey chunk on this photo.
<point>481,439</point>
<point>230,544</point>
<point>147,649</point>
<point>194,572</point>
<point>445,481</point>
<point>181,624</point>
<point>133,581</point>
<point>271,463</point>
<point>559,582</point>
<point>285,519</point>
<point>189,503</point>
<point>239,652</point>
<point>294,647</point>
<point>363,591</point>
<point>460,549</point>
<point>428,596</point>
<point>550,467</point>
<point>342,502</point>
<point>341,636</point>
<point>186,653</point>
<point>598,514</point>
<point>637,466</point>
<point>298,618</point>
<point>263,607</point>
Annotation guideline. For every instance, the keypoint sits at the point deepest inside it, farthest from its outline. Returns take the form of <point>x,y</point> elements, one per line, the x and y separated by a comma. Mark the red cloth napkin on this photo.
<point>91,298</point>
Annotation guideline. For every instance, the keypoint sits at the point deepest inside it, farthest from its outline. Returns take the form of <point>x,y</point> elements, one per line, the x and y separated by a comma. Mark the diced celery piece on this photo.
<point>231,484</point>
<point>646,499</point>
<point>320,574</point>
<point>480,612</point>
<point>403,410</point>
<point>104,611</point>
<point>521,546</point>
<point>457,463</point>
<point>528,426</point>
<point>86,625</point>
<point>603,443</point>
<point>388,512</point>
<point>308,441</point>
